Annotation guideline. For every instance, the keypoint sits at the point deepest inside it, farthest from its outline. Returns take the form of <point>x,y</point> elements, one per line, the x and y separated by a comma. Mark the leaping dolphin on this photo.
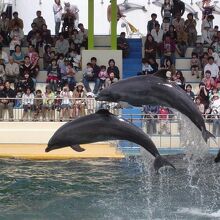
<point>154,90</point>
<point>102,126</point>
<point>126,7</point>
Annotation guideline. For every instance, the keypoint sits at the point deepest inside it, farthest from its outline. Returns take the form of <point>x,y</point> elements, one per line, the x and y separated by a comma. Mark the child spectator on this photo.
<point>208,81</point>
<point>53,75</point>
<point>74,58</point>
<point>48,104</point>
<point>195,65</point>
<point>164,120</point>
<point>47,56</point>
<point>198,49</point>
<point>71,72</point>
<point>200,105</point>
<point>146,67</point>
<point>189,91</point>
<point>111,79</point>
<point>14,41</point>
<point>65,96</point>
<point>38,105</point>
<point>103,75</point>
<point>90,101</point>
<point>19,94</point>
<point>27,103</point>
<point>165,25</point>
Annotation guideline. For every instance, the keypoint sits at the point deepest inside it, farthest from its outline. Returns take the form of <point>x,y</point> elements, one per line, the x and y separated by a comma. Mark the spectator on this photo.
<point>32,33</point>
<point>12,71</point>
<point>172,33</point>
<point>46,35</point>
<point>16,21</point>
<point>167,48</point>
<point>4,27</point>
<point>204,61</point>
<point>75,58</point>
<point>36,41</point>
<point>18,55</point>
<point>26,82</point>
<point>164,120</point>
<point>61,45</point>
<point>47,56</point>
<point>200,105</point>
<point>179,79</point>
<point>166,9</point>
<point>153,64</point>
<point>151,23</point>
<point>113,68</point>
<point>212,67</point>
<point>150,116</point>
<point>146,67</point>
<point>84,35</point>
<point>3,100</point>
<point>16,35</point>
<point>189,91</point>
<point>48,104</point>
<point>122,44</point>
<point>213,54</point>
<point>203,95</point>
<point>3,55</point>
<point>65,96</point>
<point>178,8</point>
<point>53,75</point>
<point>103,75</point>
<point>39,20</point>
<point>27,67</point>
<point>2,71</point>
<point>216,45</point>
<point>91,75</point>
<point>70,74</point>
<point>72,11</point>
<point>214,92</point>
<point>38,105</point>
<point>79,100</point>
<point>198,49</point>
<point>207,29</point>
<point>165,25</point>
<point>90,101</point>
<point>111,79</point>
<point>157,34</point>
<point>190,29</point>
<point>57,10</point>
<point>27,103</point>
<point>208,81</point>
<point>195,65</point>
<point>169,66</point>
<point>150,47</point>
<point>76,38</point>
<point>8,103</point>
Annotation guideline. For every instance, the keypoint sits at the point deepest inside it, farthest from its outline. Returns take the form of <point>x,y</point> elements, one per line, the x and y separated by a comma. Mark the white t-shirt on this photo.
<point>57,10</point>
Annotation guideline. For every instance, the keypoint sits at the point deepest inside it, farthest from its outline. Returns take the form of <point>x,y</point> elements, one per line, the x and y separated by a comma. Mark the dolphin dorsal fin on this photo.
<point>103,112</point>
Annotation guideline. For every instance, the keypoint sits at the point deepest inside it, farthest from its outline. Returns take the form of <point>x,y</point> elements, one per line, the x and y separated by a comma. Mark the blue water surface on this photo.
<point>109,189</point>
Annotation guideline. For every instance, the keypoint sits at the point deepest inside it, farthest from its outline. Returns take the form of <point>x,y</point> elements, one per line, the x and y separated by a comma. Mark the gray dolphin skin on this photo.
<point>102,126</point>
<point>155,90</point>
<point>217,159</point>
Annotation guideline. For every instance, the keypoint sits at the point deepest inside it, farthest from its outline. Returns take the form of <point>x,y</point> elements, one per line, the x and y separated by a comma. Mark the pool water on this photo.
<point>102,189</point>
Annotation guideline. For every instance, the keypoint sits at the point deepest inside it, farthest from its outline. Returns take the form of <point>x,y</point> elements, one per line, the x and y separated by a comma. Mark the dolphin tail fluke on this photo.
<point>77,148</point>
<point>206,135</point>
<point>161,162</point>
<point>217,159</point>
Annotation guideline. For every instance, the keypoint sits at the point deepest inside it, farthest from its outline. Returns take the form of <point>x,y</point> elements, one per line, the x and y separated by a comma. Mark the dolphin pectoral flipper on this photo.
<point>206,135</point>
<point>160,162</point>
<point>77,148</point>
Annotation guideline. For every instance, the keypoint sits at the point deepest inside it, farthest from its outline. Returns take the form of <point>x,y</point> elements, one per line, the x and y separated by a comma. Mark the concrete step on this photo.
<point>181,63</point>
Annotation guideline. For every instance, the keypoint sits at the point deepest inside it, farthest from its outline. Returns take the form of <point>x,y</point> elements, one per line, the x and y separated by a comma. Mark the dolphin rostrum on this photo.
<point>154,90</point>
<point>102,126</point>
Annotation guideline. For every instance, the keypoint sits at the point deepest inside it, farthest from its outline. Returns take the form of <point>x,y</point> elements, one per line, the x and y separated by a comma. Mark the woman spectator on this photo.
<point>190,29</point>
<point>111,79</point>
<point>195,65</point>
<point>113,68</point>
<point>208,81</point>
<point>150,47</point>
<point>179,79</point>
<point>47,56</point>
<point>75,58</point>
<point>18,55</point>
<point>170,66</point>
<point>189,91</point>
<point>53,75</point>
<point>172,33</point>
<point>26,82</point>
<point>28,103</point>
<point>79,100</point>
<point>200,105</point>
<point>166,9</point>
<point>34,58</point>
<point>203,94</point>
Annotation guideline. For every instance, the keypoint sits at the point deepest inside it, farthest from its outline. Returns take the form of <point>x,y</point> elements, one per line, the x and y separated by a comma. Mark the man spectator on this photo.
<point>72,10</point>
<point>83,34</point>
<point>92,75</point>
<point>122,44</point>
<point>4,26</point>
<point>212,67</point>
<point>62,45</point>
<point>207,29</point>
<point>3,55</point>
<point>16,21</point>
<point>157,33</point>
<point>8,102</point>
<point>152,23</point>
<point>178,7</point>
<point>12,71</point>
<point>31,33</point>
<point>39,20</point>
